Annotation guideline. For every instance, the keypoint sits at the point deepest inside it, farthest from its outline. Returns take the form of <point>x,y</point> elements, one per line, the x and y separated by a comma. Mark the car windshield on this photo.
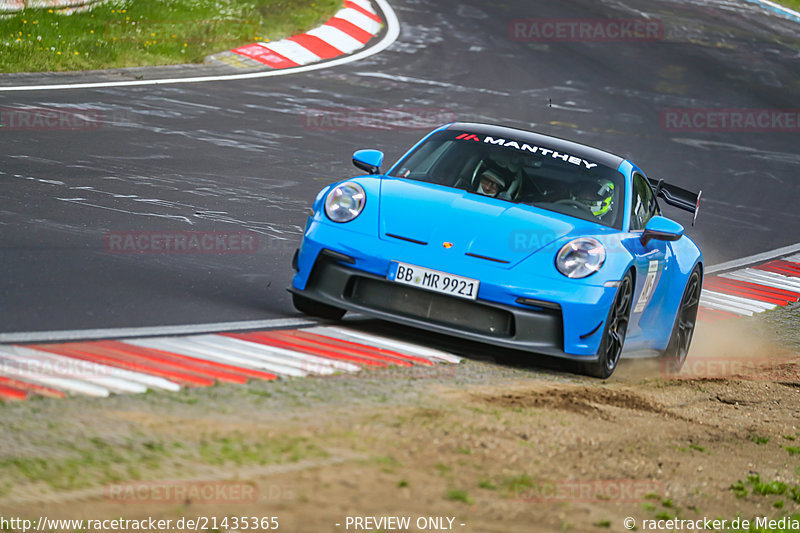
<point>518,172</point>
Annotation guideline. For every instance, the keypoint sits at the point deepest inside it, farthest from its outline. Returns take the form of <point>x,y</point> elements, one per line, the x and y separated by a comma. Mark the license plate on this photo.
<point>434,280</point>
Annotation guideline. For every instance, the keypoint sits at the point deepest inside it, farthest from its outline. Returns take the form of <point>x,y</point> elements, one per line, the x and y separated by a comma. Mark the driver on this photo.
<point>490,184</point>
<point>510,167</point>
<point>597,196</point>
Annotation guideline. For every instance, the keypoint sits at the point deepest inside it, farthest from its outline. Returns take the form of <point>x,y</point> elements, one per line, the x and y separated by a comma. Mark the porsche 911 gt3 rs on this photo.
<point>511,238</point>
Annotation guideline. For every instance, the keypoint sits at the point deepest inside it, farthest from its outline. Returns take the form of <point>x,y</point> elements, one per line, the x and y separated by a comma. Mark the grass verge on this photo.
<point>127,33</point>
<point>791,4</point>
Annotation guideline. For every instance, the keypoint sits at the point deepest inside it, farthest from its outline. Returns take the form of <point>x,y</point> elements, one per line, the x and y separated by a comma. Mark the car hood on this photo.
<point>493,229</point>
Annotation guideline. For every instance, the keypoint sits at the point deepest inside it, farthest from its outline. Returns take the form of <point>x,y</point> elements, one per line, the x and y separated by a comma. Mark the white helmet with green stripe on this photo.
<point>597,196</point>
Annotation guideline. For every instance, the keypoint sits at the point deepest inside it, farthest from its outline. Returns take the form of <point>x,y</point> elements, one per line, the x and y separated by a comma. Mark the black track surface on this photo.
<point>232,156</point>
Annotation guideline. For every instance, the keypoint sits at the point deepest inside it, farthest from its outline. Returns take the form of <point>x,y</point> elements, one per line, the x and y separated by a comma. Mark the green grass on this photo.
<point>521,487</point>
<point>792,4</point>
<point>739,489</point>
<point>759,440</point>
<point>127,33</point>
<point>96,461</point>
<point>766,488</point>
<point>458,496</point>
<point>387,463</point>
<point>486,484</point>
<point>235,449</point>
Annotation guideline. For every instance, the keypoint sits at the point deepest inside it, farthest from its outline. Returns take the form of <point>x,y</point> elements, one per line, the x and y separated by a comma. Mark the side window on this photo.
<point>644,205</point>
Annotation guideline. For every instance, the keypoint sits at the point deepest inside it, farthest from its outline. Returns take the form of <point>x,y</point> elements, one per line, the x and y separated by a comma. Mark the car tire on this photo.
<point>311,307</point>
<point>680,339</point>
<point>613,333</point>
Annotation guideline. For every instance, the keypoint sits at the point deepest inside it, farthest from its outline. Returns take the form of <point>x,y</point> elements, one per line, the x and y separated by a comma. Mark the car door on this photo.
<point>651,261</point>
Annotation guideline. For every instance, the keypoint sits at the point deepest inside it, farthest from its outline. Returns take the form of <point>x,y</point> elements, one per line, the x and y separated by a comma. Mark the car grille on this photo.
<point>431,306</point>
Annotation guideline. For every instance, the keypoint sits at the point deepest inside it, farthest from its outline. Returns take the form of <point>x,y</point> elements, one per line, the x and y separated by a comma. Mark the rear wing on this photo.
<point>677,196</point>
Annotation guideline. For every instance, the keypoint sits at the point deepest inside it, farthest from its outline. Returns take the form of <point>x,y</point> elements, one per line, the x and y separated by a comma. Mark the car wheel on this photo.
<point>317,309</point>
<point>614,332</point>
<point>683,329</point>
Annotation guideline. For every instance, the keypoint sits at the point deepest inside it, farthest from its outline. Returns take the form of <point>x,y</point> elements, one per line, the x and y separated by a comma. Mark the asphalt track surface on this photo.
<point>240,155</point>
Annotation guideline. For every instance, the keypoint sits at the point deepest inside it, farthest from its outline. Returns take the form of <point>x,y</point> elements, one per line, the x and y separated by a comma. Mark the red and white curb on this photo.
<point>348,30</point>
<point>751,290</point>
<point>131,366</point>
<point>388,37</point>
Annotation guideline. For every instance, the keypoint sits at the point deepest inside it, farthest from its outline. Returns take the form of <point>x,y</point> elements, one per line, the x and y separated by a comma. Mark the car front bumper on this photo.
<point>536,327</point>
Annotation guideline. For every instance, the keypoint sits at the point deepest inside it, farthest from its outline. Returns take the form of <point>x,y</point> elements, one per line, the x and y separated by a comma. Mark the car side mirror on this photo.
<point>368,160</point>
<point>662,229</point>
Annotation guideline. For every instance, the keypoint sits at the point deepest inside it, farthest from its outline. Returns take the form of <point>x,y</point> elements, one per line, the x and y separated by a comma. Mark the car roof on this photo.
<point>561,145</point>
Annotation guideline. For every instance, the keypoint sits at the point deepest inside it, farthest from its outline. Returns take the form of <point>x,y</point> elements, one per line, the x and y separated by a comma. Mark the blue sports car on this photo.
<point>511,238</point>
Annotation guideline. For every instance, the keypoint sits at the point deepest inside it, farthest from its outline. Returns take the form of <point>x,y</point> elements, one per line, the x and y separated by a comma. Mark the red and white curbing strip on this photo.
<point>131,366</point>
<point>751,290</point>
<point>135,365</point>
<point>349,30</point>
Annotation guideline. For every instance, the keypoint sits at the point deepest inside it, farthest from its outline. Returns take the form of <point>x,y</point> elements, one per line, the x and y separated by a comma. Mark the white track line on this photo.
<point>758,258</point>
<point>783,10</point>
<point>88,334</point>
<point>392,32</point>
<point>391,344</point>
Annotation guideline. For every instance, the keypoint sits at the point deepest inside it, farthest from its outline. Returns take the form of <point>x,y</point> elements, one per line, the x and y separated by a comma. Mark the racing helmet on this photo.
<point>490,176</point>
<point>598,196</point>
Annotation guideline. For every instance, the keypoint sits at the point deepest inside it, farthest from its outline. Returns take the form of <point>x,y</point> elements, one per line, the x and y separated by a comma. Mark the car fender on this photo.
<point>686,256</point>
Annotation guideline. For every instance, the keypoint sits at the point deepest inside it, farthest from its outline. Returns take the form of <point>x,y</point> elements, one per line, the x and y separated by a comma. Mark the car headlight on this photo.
<point>581,257</point>
<point>345,202</point>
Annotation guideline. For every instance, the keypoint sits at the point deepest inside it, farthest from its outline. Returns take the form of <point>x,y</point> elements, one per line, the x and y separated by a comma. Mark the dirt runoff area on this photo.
<point>476,447</point>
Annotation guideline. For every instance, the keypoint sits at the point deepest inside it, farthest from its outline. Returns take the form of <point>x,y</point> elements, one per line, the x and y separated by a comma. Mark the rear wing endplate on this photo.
<point>677,196</point>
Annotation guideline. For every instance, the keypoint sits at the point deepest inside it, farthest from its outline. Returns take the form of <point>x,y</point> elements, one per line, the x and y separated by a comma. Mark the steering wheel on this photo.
<point>475,173</point>
<point>574,204</point>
